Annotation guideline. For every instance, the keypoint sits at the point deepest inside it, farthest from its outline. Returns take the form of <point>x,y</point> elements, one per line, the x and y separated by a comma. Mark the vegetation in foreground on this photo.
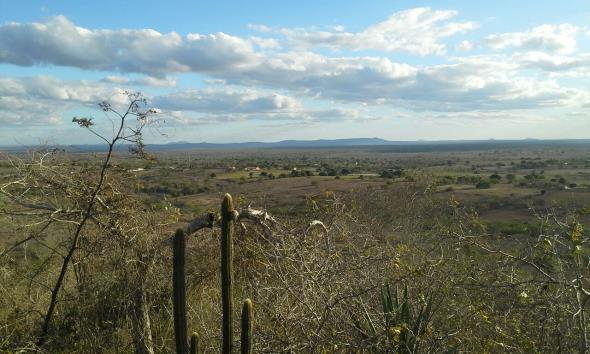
<point>87,266</point>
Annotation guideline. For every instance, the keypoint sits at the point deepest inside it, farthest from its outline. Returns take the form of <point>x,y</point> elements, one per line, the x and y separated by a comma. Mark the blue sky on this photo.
<point>270,70</point>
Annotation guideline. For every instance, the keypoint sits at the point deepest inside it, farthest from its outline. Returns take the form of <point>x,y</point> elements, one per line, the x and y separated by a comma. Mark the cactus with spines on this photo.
<point>194,347</point>
<point>247,325</point>
<point>227,229</point>
<point>179,292</point>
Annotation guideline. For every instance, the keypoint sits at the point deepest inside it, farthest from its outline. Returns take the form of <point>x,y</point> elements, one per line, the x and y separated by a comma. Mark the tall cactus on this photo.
<point>247,324</point>
<point>179,292</point>
<point>227,228</point>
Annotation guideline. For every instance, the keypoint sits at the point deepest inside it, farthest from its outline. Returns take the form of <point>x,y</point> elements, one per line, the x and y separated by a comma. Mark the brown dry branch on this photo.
<point>44,191</point>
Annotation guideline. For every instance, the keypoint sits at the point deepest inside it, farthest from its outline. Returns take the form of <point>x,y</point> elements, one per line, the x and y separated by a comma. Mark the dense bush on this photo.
<point>483,185</point>
<point>391,173</point>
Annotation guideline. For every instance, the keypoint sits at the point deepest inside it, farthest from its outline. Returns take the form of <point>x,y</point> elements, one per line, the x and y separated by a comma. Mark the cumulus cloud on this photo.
<point>26,112</point>
<point>559,39</point>
<point>265,43</point>
<point>259,28</point>
<point>416,31</point>
<point>492,83</point>
<point>59,42</point>
<point>567,64</point>
<point>469,83</point>
<point>298,116</point>
<point>226,101</point>
<point>42,100</point>
<point>50,88</point>
<point>143,81</point>
<point>465,46</point>
<point>207,106</point>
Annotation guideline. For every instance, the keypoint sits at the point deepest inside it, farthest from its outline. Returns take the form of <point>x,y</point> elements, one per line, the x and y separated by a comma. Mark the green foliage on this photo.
<point>173,189</point>
<point>514,228</point>
<point>483,185</point>
<point>392,173</point>
<point>495,178</point>
<point>405,318</point>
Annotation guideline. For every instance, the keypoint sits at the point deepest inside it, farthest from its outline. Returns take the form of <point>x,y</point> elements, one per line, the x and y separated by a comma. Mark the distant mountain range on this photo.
<point>283,144</point>
<point>376,143</point>
<point>368,142</point>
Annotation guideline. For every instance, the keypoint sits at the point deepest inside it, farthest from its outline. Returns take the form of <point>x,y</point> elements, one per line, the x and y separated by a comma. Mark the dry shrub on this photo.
<point>313,290</point>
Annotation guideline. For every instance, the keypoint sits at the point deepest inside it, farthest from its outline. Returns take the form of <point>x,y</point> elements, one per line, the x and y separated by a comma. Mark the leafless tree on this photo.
<point>49,194</point>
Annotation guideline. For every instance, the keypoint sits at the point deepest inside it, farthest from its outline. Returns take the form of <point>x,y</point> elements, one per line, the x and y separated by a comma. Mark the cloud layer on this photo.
<point>417,31</point>
<point>560,39</point>
<point>59,42</point>
<point>286,74</point>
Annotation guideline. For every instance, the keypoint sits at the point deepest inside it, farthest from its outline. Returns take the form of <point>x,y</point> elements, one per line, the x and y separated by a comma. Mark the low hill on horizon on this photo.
<point>377,143</point>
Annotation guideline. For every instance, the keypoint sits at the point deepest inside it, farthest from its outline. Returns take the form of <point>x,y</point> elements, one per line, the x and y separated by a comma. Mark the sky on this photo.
<point>235,71</point>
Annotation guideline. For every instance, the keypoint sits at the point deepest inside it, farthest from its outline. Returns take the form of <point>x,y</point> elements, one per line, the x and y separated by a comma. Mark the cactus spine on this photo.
<point>179,292</point>
<point>194,349</point>
<point>227,228</point>
<point>247,324</point>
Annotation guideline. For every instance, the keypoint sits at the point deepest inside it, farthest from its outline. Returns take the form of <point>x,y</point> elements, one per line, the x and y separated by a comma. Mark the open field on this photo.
<point>283,180</point>
<point>535,177</point>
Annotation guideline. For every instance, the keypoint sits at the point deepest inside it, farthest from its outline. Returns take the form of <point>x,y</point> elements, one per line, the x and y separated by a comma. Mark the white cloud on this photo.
<point>570,65</point>
<point>462,84</point>
<point>115,79</point>
<point>559,39</point>
<point>59,42</point>
<point>259,28</point>
<point>265,43</point>
<point>27,112</point>
<point>469,83</point>
<point>579,114</point>
<point>229,104</point>
<point>42,100</point>
<point>154,82</point>
<point>50,88</point>
<point>417,31</point>
<point>143,81</point>
<point>465,46</point>
<point>300,116</point>
<point>226,101</point>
